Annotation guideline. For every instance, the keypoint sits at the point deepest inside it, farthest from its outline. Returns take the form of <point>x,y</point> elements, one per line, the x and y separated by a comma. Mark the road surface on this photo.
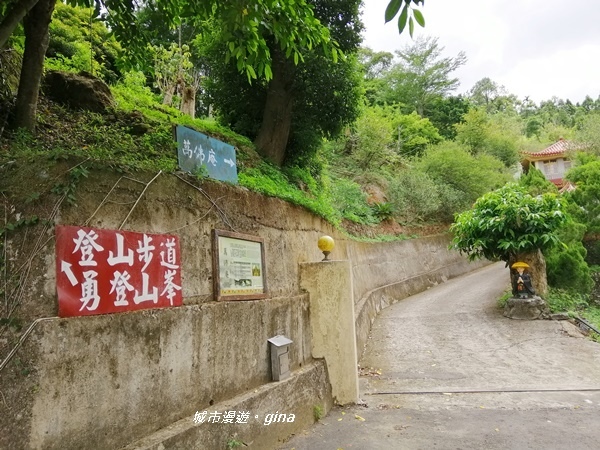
<point>445,370</point>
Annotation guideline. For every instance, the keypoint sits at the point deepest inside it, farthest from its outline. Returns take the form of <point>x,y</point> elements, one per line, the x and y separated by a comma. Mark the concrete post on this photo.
<point>333,336</point>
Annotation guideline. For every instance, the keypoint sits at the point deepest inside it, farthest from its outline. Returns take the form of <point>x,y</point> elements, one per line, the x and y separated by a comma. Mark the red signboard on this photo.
<point>107,271</point>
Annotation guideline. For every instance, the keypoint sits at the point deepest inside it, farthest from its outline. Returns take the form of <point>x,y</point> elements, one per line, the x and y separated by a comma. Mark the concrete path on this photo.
<point>445,370</point>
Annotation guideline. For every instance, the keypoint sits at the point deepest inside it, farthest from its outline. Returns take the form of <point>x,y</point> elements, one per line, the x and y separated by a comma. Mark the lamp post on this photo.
<point>326,244</point>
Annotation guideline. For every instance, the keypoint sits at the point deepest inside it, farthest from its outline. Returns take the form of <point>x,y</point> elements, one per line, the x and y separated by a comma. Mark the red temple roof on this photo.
<point>558,148</point>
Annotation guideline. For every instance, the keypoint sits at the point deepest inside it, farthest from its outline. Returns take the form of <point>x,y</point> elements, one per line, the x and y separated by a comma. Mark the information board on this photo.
<point>238,266</point>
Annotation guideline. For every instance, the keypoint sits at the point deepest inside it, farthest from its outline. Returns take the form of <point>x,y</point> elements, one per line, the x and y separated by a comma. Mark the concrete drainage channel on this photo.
<point>585,326</point>
<point>486,391</point>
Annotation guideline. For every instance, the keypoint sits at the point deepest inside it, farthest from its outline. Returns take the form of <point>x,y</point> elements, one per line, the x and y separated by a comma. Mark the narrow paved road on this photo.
<point>445,370</point>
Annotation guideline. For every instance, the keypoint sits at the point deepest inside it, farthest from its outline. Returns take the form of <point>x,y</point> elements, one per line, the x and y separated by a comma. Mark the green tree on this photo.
<point>249,29</point>
<point>587,194</point>
<point>588,132</point>
<point>174,73</point>
<point>511,225</point>
<point>445,112</point>
<point>421,75</point>
<point>413,134</point>
<point>374,66</point>
<point>473,130</point>
<point>78,42</point>
<point>565,264</point>
<point>492,97</point>
<point>289,116</point>
<point>369,145</point>
<point>496,135</point>
<point>341,17</point>
<point>484,92</point>
<point>471,175</point>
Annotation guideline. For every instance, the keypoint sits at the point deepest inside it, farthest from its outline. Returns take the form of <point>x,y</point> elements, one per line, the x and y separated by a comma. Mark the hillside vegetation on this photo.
<point>379,144</point>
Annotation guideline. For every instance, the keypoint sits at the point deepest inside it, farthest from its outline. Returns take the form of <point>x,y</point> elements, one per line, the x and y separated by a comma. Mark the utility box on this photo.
<point>280,359</point>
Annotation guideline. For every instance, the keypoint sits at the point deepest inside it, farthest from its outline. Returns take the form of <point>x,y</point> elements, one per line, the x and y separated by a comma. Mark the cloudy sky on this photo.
<point>535,48</point>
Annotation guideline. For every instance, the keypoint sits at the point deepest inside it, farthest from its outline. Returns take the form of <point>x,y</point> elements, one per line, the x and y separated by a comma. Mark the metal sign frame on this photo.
<point>239,269</point>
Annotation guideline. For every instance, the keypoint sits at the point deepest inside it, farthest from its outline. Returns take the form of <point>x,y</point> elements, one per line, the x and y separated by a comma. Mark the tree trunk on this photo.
<point>36,42</point>
<point>168,98</point>
<point>12,19</point>
<point>537,270</point>
<point>188,101</point>
<point>274,132</point>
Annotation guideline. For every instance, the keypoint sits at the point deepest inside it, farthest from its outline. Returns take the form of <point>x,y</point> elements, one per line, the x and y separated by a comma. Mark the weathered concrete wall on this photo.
<point>123,375</point>
<point>114,379</point>
<point>298,395</point>
<point>333,335</point>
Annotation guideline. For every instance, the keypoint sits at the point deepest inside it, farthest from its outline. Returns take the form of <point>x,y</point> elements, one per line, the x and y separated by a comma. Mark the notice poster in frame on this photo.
<point>239,271</point>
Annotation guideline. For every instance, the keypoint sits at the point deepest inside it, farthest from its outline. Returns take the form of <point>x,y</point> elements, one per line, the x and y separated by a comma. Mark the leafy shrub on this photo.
<point>502,147</point>
<point>451,164</point>
<point>587,194</point>
<point>79,41</point>
<point>415,196</point>
<point>413,133</point>
<point>302,177</point>
<point>350,200</point>
<point>80,58</point>
<point>565,264</point>
<point>593,251</point>
<point>567,269</point>
<point>268,180</point>
<point>560,300</point>
<point>536,183</point>
<point>383,211</point>
<point>369,145</point>
<point>507,222</point>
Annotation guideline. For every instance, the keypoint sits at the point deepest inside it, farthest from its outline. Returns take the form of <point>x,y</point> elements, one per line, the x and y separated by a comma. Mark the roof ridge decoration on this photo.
<point>559,147</point>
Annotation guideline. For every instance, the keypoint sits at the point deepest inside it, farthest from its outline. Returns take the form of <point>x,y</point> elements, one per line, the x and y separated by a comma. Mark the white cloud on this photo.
<point>535,48</point>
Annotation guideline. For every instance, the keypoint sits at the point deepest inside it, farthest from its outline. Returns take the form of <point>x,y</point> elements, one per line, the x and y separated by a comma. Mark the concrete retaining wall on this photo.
<point>385,273</point>
<point>113,380</point>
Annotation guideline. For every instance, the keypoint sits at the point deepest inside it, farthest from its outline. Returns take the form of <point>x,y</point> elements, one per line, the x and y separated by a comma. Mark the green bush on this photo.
<point>451,164</point>
<point>78,41</point>
<point>567,269</point>
<point>536,183</point>
<point>350,200</point>
<point>593,252</point>
<point>414,196</point>
<point>565,264</point>
<point>560,300</point>
<point>383,211</point>
<point>267,179</point>
<point>304,179</point>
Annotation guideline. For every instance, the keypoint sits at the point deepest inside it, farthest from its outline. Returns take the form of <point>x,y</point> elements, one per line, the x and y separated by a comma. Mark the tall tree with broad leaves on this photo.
<point>36,24</point>
<point>292,25</point>
<point>421,75</point>
<point>342,19</point>
<point>288,116</point>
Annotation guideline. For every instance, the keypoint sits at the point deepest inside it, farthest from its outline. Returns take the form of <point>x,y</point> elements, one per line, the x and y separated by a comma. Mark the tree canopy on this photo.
<point>249,30</point>
<point>421,74</point>
<point>508,222</point>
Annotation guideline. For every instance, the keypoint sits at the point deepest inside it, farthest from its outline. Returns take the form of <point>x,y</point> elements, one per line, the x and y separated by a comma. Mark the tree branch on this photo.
<point>12,19</point>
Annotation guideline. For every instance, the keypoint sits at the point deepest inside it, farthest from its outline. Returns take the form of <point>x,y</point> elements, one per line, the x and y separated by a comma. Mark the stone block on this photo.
<point>526,308</point>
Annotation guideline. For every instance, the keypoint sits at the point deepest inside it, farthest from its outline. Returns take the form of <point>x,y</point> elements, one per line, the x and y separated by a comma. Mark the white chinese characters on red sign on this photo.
<point>106,271</point>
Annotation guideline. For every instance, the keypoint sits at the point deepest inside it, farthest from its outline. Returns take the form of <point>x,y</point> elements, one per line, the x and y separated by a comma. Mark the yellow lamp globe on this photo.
<point>326,244</point>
